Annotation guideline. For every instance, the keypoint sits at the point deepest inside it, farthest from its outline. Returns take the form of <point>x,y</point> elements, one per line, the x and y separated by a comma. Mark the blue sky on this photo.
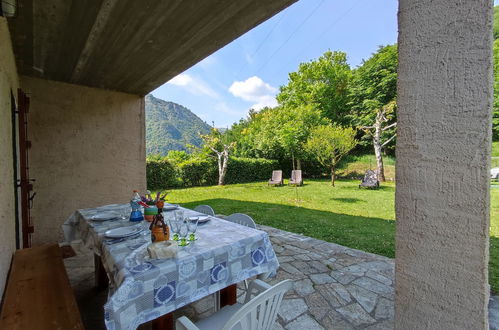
<point>247,72</point>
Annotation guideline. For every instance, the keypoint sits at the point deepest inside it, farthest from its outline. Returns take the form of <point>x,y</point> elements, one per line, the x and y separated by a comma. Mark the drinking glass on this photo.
<point>183,230</point>
<point>125,213</point>
<point>175,221</point>
<point>192,225</point>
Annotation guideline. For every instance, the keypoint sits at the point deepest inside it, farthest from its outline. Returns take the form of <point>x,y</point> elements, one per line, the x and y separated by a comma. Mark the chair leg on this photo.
<point>216,299</point>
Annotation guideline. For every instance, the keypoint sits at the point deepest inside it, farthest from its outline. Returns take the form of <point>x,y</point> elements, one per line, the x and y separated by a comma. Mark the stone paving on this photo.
<point>335,287</point>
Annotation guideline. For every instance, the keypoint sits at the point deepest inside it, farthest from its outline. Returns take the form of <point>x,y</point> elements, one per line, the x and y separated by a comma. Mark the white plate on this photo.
<point>203,218</point>
<point>103,216</point>
<point>123,232</point>
<point>170,207</point>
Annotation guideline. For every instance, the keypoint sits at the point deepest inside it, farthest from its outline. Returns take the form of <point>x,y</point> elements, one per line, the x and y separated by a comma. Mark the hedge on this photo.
<point>161,174</point>
<point>198,172</point>
<point>164,173</point>
<point>242,170</point>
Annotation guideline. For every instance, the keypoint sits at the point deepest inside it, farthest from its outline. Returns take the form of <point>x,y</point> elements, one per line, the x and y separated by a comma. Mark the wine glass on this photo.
<point>192,225</point>
<point>183,230</point>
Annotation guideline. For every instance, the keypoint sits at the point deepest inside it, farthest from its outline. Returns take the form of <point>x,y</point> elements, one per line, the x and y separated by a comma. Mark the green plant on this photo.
<point>250,169</point>
<point>160,174</point>
<point>198,172</point>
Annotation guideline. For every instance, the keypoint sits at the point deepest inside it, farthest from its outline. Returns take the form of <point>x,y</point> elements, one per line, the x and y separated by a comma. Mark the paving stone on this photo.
<point>336,323</point>
<point>365,298</point>
<point>319,266</point>
<point>304,322</point>
<point>355,270</point>
<point>375,286</point>
<point>334,293</point>
<point>289,268</point>
<point>317,305</point>
<point>342,277</point>
<point>494,312</point>
<point>378,277</point>
<point>291,308</point>
<point>383,267</point>
<point>385,309</point>
<point>384,325</point>
<point>323,278</point>
<point>303,287</point>
<point>277,326</point>
<point>285,258</point>
<point>305,267</point>
<point>303,257</point>
<point>355,315</point>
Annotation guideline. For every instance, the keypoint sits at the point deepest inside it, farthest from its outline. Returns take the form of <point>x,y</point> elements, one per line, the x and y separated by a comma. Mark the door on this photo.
<point>24,183</point>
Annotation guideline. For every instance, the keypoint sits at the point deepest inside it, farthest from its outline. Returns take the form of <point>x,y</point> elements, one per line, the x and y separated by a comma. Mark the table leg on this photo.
<point>228,296</point>
<point>164,322</point>
<point>101,280</point>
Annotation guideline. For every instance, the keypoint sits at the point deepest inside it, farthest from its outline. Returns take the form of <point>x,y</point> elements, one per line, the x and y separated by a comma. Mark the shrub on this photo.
<point>160,175</point>
<point>198,172</point>
<point>242,170</point>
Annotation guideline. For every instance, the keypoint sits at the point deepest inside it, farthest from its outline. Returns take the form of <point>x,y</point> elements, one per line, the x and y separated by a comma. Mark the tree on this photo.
<point>322,83</point>
<point>373,93</point>
<point>383,117</point>
<point>285,130</point>
<point>329,143</point>
<point>215,143</point>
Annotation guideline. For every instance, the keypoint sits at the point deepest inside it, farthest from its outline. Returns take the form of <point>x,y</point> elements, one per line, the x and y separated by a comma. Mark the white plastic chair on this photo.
<point>258,313</point>
<point>242,219</point>
<point>206,209</point>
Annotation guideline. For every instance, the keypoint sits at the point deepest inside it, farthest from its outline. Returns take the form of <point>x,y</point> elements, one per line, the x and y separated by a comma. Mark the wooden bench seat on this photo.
<point>38,294</point>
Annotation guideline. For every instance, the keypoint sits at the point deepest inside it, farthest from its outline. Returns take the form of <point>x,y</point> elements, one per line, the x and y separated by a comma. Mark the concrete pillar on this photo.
<point>443,159</point>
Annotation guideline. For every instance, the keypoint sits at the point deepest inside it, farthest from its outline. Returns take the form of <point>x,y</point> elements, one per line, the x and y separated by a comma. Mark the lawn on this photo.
<point>346,215</point>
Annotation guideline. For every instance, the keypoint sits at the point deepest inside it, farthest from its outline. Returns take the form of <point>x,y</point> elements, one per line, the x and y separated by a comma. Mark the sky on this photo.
<point>248,72</point>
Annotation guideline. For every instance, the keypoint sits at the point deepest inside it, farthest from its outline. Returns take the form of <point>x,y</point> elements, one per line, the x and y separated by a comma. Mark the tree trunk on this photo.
<point>223,169</point>
<point>333,174</point>
<point>293,160</point>
<point>298,164</point>
<point>380,169</point>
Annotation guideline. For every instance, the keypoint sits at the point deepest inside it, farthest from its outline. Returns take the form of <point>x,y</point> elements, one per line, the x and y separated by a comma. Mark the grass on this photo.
<point>346,215</point>
<point>354,166</point>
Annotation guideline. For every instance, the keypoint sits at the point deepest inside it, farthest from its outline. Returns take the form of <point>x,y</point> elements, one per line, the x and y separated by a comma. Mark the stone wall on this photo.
<point>88,149</point>
<point>8,86</point>
<point>443,158</point>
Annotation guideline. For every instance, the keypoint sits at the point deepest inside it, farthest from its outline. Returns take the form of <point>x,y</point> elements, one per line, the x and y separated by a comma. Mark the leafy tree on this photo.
<point>329,143</point>
<point>322,83</point>
<point>285,130</point>
<point>373,95</point>
<point>216,143</point>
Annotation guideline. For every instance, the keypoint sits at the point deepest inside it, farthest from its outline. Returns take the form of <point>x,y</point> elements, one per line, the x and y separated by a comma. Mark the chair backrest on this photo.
<point>370,177</point>
<point>242,219</point>
<point>277,175</point>
<point>206,209</point>
<point>261,311</point>
<point>296,175</point>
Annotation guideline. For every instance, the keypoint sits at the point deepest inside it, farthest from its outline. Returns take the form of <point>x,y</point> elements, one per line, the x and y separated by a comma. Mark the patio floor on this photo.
<point>334,287</point>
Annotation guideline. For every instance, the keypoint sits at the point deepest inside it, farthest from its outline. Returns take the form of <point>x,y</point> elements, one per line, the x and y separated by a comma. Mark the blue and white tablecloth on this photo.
<point>142,289</point>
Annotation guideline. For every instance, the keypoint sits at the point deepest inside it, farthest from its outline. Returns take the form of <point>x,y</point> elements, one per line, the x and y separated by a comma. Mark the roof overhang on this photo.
<point>127,45</point>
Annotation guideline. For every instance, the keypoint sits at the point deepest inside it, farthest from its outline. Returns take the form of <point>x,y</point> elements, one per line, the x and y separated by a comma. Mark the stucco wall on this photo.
<point>443,157</point>
<point>88,149</point>
<point>8,82</point>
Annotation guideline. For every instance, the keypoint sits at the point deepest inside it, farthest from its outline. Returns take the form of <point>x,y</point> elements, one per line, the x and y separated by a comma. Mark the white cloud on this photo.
<point>194,85</point>
<point>255,90</point>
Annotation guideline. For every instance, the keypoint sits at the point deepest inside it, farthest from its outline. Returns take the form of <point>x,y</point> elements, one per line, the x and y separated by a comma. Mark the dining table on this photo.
<point>143,289</point>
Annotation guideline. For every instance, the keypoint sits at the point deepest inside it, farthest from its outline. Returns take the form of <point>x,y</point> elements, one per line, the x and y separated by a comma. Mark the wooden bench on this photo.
<point>38,294</point>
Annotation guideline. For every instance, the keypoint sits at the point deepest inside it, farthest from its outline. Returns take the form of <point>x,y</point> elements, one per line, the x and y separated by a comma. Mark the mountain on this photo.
<point>170,126</point>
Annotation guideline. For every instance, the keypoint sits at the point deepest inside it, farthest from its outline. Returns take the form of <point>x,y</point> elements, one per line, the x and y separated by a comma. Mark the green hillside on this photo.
<point>170,126</point>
